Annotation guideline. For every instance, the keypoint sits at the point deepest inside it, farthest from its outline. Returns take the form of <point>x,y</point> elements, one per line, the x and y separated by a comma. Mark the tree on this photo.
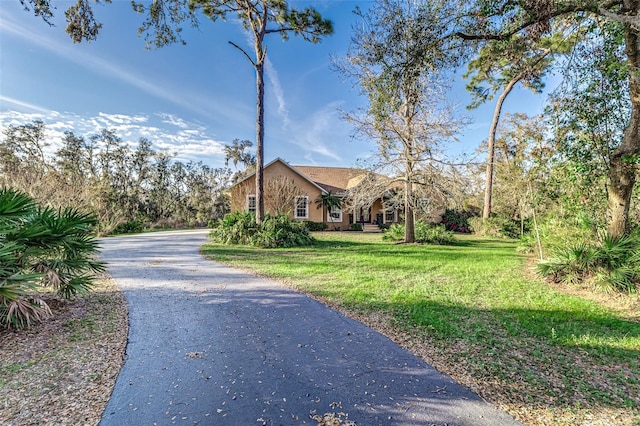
<point>281,194</point>
<point>501,65</point>
<point>523,156</point>
<point>328,201</point>
<point>237,153</point>
<point>260,18</point>
<point>394,56</point>
<point>162,27</point>
<point>503,19</point>
<point>589,112</point>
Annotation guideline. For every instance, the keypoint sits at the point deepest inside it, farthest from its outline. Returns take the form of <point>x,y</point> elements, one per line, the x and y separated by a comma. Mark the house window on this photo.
<point>390,216</point>
<point>251,203</point>
<point>301,207</point>
<point>334,214</point>
<point>423,204</point>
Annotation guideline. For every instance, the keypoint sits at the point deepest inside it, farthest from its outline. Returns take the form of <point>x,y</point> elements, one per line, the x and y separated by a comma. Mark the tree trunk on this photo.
<point>409,221</point>
<point>260,136</point>
<point>622,173</point>
<point>491,142</point>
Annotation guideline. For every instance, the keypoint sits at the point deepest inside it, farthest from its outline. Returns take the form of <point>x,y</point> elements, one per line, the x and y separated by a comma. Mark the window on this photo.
<point>390,216</point>
<point>251,203</point>
<point>334,214</point>
<point>301,207</point>
<point>423,204</point>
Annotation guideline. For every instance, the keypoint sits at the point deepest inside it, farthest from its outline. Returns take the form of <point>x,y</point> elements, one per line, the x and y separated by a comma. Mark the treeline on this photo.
<point>127,186</point>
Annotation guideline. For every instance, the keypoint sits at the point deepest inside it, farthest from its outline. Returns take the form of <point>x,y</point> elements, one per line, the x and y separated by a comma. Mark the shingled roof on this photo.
<point>333,179</point>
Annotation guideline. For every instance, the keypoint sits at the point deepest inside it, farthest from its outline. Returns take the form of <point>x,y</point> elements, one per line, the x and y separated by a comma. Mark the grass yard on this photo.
<point>476,312</point>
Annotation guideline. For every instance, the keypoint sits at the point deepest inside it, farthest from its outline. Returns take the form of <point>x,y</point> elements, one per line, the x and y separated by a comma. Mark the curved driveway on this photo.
<point>212,345</point>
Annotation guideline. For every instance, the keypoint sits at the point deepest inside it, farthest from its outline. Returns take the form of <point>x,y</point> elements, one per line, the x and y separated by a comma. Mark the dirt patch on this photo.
<point>63,370</point>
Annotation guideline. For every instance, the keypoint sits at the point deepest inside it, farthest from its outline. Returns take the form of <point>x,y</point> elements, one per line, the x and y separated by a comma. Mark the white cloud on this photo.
<point>173,120</point>
<point>190,141</point>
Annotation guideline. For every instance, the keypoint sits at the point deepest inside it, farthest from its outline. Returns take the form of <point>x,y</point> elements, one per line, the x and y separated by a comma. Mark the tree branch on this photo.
<point>244,53</point>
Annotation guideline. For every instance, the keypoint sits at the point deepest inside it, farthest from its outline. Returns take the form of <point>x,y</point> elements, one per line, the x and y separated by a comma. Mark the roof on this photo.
<point>302,175</point>
<point>333,179</point>
<point>336,180</point>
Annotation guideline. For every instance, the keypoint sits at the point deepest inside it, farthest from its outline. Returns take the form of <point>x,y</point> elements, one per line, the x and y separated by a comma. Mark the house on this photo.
<point>298,191</point>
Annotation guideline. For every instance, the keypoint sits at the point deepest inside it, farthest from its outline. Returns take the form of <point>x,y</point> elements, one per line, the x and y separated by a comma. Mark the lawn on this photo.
<point>476,311</point>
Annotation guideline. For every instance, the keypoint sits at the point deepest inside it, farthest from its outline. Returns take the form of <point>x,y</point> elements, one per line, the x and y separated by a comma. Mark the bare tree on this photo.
<point>281,194</point>
<point>394,56</point>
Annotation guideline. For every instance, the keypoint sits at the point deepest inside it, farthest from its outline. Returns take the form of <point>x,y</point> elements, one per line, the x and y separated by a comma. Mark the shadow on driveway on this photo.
<point>209,344</point>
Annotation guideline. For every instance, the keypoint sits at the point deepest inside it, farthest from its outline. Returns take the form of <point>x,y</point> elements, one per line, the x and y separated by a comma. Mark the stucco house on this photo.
<point>298,190</point>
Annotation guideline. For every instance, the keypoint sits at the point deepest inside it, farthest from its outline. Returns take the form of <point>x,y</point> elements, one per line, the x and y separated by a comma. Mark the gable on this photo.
<point>279,167</point>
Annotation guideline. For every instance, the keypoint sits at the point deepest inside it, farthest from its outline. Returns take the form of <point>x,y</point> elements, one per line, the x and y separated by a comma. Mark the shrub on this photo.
<point>235,228</point>
<point>355,227</point>
<point>424,233</point>
<point>316,226</point>
<point>131,227</point>
<point>274,231</point>
<point>395,232</point>
<point>42,246</point>
<point>556,233</point>
<point>433,234</point>
<point>612,264</point>
<point>280,231</point>
<point>497,226</point>
<point>455,220</point>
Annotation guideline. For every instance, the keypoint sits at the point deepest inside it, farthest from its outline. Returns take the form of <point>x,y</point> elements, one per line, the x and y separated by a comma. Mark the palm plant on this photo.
<point>328,200</point>
<point>612,264</point>
<point>41,246</point>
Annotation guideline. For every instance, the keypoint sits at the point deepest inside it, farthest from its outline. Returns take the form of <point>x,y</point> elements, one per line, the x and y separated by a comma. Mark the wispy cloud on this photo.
<point>272,75</point>
<point>21,104</point>
<point>111,68</point>
<point>320,134</point>
<point>274,80</point>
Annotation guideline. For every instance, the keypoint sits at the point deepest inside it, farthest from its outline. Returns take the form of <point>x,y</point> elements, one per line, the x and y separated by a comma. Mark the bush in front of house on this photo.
<point>315,226</point>
<point>274,231</point>
<point>355,227</point>
<point>395,232</point>
<point>433,234</point>
<point>281,231</point>
<point>456,220</point>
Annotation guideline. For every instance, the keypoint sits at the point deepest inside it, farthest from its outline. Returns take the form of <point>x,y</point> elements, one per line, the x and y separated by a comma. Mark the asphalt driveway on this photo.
<point>212,345</point>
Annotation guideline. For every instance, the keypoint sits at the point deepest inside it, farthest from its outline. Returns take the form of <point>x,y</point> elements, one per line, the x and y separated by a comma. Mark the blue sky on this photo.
<point>193,99</point>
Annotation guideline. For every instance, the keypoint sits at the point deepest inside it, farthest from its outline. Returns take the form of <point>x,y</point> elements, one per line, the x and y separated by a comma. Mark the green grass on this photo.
<point>524,344</point>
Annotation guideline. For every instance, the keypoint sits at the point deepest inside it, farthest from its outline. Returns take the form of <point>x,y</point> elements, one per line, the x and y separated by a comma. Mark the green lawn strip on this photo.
<point>526,340</point>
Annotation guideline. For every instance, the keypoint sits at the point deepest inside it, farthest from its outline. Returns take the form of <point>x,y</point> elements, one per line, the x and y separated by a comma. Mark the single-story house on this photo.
<point>299,190</point>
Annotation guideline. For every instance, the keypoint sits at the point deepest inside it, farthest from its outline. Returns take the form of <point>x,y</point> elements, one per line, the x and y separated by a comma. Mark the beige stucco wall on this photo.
<point>299,187</point>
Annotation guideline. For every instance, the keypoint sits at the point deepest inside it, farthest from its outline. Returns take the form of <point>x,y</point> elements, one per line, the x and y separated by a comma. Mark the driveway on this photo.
<point>212,345</point>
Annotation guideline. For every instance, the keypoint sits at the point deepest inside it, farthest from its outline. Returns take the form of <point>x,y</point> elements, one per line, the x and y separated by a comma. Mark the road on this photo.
<point>212,345</point>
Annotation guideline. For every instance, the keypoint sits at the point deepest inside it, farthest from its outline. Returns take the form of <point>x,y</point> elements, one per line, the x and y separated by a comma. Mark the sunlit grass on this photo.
<point>477,297</point>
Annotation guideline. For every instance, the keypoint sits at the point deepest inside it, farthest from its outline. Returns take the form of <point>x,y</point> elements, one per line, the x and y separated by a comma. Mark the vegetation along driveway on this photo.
<point>209,344</point>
